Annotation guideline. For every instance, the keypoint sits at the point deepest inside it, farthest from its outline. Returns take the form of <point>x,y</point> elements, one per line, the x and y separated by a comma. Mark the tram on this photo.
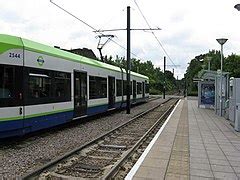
<point>43,86</point>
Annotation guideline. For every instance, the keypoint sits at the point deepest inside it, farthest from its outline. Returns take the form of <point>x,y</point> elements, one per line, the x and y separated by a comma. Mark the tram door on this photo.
<point>134,90</point>
<point>111,92</point>
<point>80,94</point>
<point>11,95</point>
<point>143,91</point>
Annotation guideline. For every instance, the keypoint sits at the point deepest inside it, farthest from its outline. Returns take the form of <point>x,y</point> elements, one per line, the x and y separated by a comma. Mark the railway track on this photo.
<point>110,155</point>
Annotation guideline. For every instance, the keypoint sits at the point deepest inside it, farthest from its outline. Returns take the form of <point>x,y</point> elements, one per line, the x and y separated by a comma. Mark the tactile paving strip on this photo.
<point>178,166</point>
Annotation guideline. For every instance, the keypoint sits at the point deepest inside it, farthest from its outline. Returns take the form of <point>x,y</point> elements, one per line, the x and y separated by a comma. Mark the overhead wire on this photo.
<point>159,42</point>
<point>91,27</point>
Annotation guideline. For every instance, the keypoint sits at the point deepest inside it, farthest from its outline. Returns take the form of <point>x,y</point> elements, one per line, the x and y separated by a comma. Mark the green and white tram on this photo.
<point>42,86</point>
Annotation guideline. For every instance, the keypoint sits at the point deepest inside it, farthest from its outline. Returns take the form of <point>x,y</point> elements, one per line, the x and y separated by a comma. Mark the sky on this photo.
<point>188,27</point>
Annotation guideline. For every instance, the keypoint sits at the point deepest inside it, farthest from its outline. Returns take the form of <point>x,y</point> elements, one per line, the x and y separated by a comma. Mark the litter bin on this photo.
<point>226,108</point>
<point>237,117</point>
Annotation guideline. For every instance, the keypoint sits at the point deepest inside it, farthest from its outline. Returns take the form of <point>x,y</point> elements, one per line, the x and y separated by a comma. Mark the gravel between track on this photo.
<point>28,154</point>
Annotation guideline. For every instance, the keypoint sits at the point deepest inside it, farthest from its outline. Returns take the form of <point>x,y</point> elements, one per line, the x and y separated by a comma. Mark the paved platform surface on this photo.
<point>194,144</point>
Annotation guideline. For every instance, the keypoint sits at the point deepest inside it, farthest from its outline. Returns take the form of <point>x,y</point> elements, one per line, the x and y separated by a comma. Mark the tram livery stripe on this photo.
<point>35,115</point>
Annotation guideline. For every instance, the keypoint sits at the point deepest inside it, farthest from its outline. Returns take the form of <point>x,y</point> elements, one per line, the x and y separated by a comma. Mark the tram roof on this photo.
<point>13,42</point>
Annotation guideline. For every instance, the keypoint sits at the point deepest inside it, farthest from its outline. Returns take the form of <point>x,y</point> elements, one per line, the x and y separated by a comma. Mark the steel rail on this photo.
<point>118,165</point>
<point>39,170</point>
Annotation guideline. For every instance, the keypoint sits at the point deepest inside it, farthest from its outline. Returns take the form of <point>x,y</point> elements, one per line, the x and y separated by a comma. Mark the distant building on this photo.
<point>82,52</point>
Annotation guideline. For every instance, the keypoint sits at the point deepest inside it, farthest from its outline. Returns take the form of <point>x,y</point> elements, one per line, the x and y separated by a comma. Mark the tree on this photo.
<point>192,70</point>
<point>147,68</point>
<point>231,64</point>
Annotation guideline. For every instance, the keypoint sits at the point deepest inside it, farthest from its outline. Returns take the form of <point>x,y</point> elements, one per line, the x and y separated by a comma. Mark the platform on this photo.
<point>194,143</point>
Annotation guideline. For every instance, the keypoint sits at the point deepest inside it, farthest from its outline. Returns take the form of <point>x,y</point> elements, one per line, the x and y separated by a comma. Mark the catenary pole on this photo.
<point>128,59</point>
<point>164,78</point>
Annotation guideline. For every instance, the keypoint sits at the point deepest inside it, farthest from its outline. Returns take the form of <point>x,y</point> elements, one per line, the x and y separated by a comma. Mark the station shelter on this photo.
<point>209,91</point>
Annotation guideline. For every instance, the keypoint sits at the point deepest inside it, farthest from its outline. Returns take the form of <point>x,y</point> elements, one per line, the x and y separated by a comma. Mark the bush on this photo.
<point>192,93</point>
<point>155,92</point>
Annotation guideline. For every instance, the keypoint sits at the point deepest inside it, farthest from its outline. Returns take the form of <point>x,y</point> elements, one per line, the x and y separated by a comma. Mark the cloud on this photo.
<point>10,16</point>
<point>189,28</point>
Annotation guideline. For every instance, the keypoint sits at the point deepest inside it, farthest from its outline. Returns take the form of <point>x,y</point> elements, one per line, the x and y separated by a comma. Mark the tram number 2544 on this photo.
<point>14,55</point>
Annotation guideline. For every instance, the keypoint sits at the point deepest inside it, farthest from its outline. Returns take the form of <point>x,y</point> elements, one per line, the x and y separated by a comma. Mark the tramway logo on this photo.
<point>40,60</point>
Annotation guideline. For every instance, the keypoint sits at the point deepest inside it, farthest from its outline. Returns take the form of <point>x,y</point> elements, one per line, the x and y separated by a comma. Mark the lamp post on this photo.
<point>237,6</point>
<point>221,41</point>
<point>209,62</point>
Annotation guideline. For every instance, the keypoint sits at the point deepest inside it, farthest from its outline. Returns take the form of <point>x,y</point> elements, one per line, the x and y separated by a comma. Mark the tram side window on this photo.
<point>97,87</point>
<point>147,88</point>
<point>119,87</point>
<point>47,86</point>
<point>39,85</point>
<point>125,87</point>
<point>131,87</point>
<point>139,88</point>
<point>62,85</point>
